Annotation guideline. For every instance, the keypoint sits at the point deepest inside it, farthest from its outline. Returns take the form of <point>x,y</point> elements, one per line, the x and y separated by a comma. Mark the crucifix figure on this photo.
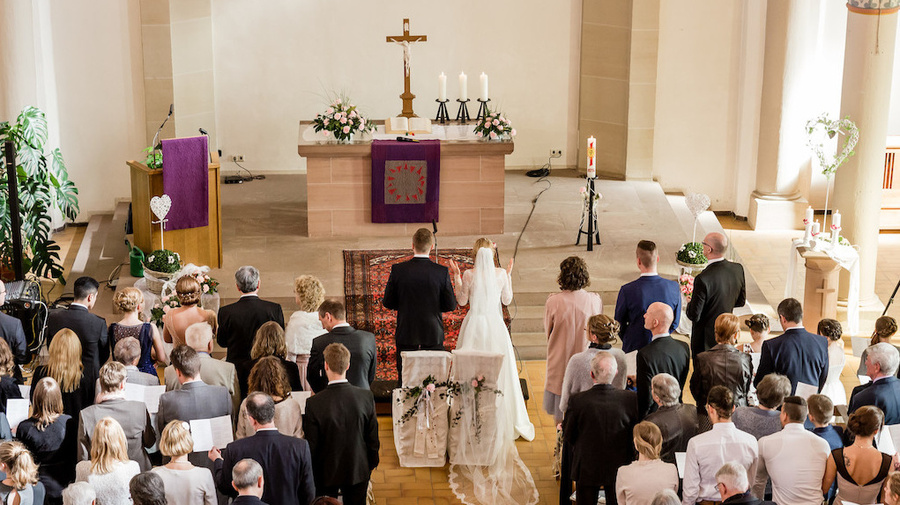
<point>405,40</point>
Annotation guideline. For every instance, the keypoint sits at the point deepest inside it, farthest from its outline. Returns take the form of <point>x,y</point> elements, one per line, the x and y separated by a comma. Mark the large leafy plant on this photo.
<point>44,185</point>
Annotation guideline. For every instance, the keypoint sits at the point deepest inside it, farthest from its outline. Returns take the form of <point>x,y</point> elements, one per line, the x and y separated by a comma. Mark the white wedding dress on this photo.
<point>505,479</point>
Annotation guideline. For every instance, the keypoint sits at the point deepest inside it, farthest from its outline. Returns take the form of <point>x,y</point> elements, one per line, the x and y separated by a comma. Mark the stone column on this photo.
<point>865,95</point>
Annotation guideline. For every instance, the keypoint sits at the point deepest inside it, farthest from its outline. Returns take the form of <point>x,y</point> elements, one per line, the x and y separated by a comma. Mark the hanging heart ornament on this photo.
<point>160,206</point>
<point>697,203</point>
<point>822,131</point>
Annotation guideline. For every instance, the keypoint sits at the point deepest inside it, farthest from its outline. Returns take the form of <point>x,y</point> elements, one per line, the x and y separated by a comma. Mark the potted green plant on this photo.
<point>44,185</point>
<point>159,267</point>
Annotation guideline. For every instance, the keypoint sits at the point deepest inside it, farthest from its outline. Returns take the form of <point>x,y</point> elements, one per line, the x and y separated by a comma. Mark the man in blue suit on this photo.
<point>799,355</point>
<point>883,392</point>
<point>637,295</point>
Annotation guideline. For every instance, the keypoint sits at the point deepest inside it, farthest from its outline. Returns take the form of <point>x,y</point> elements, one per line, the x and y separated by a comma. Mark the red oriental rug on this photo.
<point>365,276</point>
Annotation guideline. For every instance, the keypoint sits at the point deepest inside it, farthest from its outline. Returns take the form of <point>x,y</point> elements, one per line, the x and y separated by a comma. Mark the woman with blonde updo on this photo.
<point>860,461</point>
<point>885,329</point>
<point>130,301</point>
<point>64,364</point>
<point>21,485</point>
<point>639,482</point>
<point>109,470</point>
<point>184,483</point>
<point>722,365</point>
<point>269,341</point>
<point>176,321</point>
<point>51,437</point>
<point>602,332</point>
<point>304,324</point>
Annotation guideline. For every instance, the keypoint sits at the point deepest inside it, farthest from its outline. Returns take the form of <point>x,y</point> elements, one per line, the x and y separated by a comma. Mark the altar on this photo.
<point>339,185</point>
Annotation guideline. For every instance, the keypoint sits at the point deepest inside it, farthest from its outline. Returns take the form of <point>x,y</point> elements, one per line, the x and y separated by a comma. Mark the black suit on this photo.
<point>884,394</point>
<point>11,330</point>
<point>419,290</point>
<point>597,431</point>
<point>286,464</point>
<point>746,499</point>
<point>361,345</point>
<point>678,423</point>
<point>248,500</point>
<point>91,330</point>
<point>798,354</point>
<point>718,289</point>
<point>342,431</point>
<point>239,321</point>
<point>661,355</point>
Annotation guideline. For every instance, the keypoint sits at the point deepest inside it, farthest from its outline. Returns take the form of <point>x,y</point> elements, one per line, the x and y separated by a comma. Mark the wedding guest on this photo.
<point>268,377</point>
<point>602,331</point>
<point>185,484</point>
<point>799,355</point>
<point>50,435</point>
<point>176,321</point>
<point>821,412</point>
<point>269,341</point>
<point>109,470</point>
<point>79,493</point>
<point>722,365</point>
<point>764,419</point>
<point>64,365</point>
<point>90,329</point>
<point>20,485</point>
<point>834,389</point>
<point>882,362</point>
<point>758,324</point>
<point>247,479</point>
<point>215,372</point>
<point>565,320</point>
<point>859,462</point>
<point>639,482</point>
<point>676,421</point>
<point>891,495</point>
<point>129,300</point>
<point>128,352</point>
<point>734,487</point>
<point>239,321</point>
<point>666,497</point>
<point>885,329</point>
<point>663,354</point>
<point>304,324</point>
<point>363,352</point>
<point>9,387</point>
<point>147,488</point>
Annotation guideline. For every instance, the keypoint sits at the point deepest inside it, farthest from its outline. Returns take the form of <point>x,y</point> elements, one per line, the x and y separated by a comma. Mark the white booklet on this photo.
<point>680,458</point>
<point>805,390</point>
<point>16,411</point>
<point>631,363</point>
<point>209,433</point>
<point>149,395</point>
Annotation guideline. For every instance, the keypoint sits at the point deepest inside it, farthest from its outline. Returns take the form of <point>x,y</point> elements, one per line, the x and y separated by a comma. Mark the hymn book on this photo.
<point>404,125</point>
<point>209,433</point>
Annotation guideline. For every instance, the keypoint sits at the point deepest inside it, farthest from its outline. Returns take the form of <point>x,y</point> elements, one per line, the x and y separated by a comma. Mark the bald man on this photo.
<point>718,289</point>
<point>663,354</point>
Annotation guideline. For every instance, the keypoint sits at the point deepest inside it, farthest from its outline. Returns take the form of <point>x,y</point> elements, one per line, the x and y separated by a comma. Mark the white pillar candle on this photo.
<point>442,87</point>
<point>483,79</point>
<point>836,219</point>
<point>809,214</point>
<point>591,157</point>
<point>463,86</point>
<point>816,228</point>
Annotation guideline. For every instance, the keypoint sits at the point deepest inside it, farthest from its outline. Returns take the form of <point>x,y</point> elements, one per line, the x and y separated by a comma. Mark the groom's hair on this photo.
<point>333,307</point>
<point>423,240</point>
<point>646,253</point>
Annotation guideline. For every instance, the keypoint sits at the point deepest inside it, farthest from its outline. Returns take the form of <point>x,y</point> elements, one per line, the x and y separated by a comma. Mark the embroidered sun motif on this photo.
<point>405,181</point>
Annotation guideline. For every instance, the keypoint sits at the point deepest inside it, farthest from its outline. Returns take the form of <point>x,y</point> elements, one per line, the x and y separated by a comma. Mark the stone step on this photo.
<point>529,338</point>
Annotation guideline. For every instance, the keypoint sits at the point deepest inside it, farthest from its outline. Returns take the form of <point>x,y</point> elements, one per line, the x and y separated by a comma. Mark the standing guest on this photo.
<point>20,485</point>
<point>764,419</point>
<point>79,493</point>
<point>707,452</point>
<point>128,352</point>
<point>304,324</point>
<point>676,421</point>
<point>342,431</point>
<point>636,296</point>
<point>663,354</point>
<point>733,486</point>
<point>723,365</point>
<point>9,386</point>
<point>130,300</point>
<point>176,321</point>
<point>821,411</point>
<point>247,480</point>
<point>794,459</point>
<point>51,436</point>
<point>882,361</point>
<point>268,377</point>
<point>90,329</point>
<point>360,343</point>
<point>602,330</point>
<point>639,482</point>
<point>758,324</point>
<point>834,389</point>
<point>132,416</point>
<point>64,365</point>
<point>666,497</point>
<point>419,290</point>
<point>239,321</point>
<point>12,332</point>
<point>891,494</point>
<point>109,471</point>
<point>215,372</point>
<point>565,321</point>
<point>147,488</point>
<point>718,289</point>
<point>885,329</point>
<point>269,341</point>
<point>860,468</point>
<point>284,459</point>
<point>799,355</point>
<point>597,427</point>
<point>185,484</point>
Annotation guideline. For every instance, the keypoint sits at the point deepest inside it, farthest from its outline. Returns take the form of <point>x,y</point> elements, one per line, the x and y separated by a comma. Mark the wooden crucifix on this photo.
<point>405,40</point>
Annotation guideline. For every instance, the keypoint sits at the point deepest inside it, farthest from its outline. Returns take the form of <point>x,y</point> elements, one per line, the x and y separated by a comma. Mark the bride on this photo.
<point>506,479</point>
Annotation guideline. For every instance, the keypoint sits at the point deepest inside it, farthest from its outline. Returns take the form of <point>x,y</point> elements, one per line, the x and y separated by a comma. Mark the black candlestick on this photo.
<point>442,115</point>
<point>593,231</point>
<point>482,109</point>
<point>463,115</point>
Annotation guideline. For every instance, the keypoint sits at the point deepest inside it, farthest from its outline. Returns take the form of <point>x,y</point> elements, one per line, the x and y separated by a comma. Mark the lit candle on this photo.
<point>442,87</point>
<point>836,219</point>
<point>463,86</point>
<point>483,79</point>
<point>809,215</point>
<point>591,157</point>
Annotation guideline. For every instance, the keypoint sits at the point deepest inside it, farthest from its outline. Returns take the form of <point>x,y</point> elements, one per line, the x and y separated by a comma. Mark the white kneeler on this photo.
<point>422,440</point>
<point>479,412</point>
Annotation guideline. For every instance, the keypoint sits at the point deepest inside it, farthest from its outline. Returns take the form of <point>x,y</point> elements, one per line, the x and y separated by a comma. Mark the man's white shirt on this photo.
<point>794,459</point>
<point>707,452</point>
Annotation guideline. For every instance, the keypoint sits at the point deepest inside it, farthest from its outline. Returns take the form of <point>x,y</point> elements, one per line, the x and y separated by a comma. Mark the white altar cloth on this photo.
<point>848,258</point>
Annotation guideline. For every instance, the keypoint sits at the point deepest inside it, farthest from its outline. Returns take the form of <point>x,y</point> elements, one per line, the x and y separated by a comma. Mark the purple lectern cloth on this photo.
<point>186,181</point>
<point>406,179</point>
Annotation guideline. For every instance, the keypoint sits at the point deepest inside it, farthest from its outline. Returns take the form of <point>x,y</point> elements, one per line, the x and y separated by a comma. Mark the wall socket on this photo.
<point>237,158</point>
<point>555,153</point>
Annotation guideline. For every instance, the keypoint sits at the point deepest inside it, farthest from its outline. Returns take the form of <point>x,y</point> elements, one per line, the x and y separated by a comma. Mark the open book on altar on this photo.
<point>407,125</point>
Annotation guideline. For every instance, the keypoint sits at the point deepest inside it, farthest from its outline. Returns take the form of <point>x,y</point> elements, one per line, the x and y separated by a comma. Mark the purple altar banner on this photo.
<point>406,178</point>
<point>186,181</point>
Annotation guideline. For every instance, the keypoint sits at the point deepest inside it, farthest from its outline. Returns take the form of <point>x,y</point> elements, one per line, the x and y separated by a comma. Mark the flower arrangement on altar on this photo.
<point>686,283</point>
<point>342,120</point>
<point>691,254</point>
<point>494,126</point>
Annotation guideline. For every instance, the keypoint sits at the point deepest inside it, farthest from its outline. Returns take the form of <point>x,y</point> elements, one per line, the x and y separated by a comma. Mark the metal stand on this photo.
<point>482,109</point>
<point>593,231</point>
<point>463,115</point>
<point>886,307</point>
<point>442,115</point>
<point>15,222</point>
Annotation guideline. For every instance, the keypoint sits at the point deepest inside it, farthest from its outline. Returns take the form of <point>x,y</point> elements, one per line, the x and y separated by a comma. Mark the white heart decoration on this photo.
<point>160,205</point>
<point>822,131</point>
<point>697,203</point>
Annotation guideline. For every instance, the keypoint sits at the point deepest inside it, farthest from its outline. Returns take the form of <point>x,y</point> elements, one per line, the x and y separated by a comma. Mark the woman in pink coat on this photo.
<point>565,322</point>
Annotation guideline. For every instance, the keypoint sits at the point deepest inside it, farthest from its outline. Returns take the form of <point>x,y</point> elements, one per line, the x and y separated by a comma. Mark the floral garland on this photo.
<point>429,385</point>
<point>476,386</point>
<point>842,126</point>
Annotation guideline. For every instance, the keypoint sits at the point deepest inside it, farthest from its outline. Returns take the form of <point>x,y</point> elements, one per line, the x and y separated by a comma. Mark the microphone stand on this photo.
<point>157,147</point>
<point>434,227</point>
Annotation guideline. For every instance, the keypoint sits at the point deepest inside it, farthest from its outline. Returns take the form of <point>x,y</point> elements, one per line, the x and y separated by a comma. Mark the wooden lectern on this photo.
<point>200,246</point>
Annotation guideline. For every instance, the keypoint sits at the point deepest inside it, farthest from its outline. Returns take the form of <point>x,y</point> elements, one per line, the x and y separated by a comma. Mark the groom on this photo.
<point>419,290</point>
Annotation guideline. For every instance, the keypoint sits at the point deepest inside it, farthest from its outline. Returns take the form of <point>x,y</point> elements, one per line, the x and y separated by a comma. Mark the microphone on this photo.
<point>204,132</point>
<point>434,227</point>
<point>159,130</point>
